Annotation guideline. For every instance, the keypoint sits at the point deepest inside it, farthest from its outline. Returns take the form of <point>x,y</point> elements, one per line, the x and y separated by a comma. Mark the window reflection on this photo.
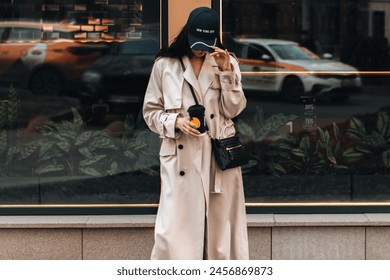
<point>73,77</point>
<point>38,57</point>
<point>121,76</point>
<point>316,126</point>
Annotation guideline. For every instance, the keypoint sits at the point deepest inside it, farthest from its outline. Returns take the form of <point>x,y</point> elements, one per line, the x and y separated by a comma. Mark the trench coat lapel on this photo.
<point>190,77</point>
<point>206,76</point>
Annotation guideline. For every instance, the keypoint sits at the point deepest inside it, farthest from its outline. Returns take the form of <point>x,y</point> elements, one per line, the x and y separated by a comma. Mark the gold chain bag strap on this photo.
<point>229,152</point>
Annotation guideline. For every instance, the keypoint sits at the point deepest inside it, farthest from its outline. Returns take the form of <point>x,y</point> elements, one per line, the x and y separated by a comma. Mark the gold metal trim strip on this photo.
<point>317,204</point>
<point>249,204</point>
<point>74,205</point>
<point>315,72</point>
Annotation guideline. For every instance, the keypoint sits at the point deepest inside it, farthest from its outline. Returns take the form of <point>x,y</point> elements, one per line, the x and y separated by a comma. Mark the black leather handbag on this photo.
<point>229,152</point>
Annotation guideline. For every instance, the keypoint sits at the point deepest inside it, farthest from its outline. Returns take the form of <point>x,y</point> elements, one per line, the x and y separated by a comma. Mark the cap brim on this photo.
<point>201,44</point>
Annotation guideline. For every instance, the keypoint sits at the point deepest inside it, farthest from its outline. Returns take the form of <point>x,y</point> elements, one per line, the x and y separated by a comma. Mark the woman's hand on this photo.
<point>186,126</point>
<point>222,58</point>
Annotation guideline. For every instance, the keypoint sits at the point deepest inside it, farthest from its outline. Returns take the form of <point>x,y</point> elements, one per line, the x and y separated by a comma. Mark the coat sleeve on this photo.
<point>233,100</point>
<point>156,117</point>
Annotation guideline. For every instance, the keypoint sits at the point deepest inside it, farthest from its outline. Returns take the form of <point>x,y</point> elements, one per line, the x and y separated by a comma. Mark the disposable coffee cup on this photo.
<point>196,113</point>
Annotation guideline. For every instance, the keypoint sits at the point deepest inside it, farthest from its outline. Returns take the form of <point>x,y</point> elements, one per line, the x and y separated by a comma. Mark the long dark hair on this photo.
<point>180,46</point>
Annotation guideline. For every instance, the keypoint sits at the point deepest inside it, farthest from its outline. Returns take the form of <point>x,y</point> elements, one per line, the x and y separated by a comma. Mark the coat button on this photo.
<point>182,173</point>
<point>180,146</point>
<point>212,116</point>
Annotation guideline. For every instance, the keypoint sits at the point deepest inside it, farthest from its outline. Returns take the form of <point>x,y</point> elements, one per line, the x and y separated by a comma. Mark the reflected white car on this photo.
<point>284,68</point>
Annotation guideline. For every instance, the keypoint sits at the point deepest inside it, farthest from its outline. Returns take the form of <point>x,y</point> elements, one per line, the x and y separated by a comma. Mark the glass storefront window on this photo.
<point>318,89</point>
<point>73,75</point>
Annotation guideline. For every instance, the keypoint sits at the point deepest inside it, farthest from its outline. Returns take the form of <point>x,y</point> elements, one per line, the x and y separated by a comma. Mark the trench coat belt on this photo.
<point>216,188</point>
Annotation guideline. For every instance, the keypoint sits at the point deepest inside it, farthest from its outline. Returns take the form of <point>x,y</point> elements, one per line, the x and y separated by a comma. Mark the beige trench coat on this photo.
<point>201,214</point>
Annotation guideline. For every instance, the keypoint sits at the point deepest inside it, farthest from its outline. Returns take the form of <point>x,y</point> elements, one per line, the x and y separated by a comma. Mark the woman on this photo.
<point>201,213</point>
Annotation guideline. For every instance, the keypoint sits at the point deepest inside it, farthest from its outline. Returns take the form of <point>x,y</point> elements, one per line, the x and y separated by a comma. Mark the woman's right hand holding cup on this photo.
<point>186,126</point>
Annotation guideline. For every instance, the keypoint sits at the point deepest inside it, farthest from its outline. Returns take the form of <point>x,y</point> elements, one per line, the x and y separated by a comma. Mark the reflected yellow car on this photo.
<point>44,58</point>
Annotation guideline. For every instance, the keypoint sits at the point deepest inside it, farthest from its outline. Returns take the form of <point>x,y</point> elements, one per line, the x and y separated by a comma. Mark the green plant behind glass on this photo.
<point>270,148</point>
<point>66,148</point>
<point>320,153</point>
<point>371,147</point>
<point>9,110</point>
<point>131,153</point>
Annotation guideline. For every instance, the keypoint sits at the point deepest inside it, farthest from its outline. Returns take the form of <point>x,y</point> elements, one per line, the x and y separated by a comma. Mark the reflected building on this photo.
<point>95,19</point>
<point>349,29</point>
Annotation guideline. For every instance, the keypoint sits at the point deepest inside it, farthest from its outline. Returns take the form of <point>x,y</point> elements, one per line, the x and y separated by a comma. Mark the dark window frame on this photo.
<point>267,208</point>
<point>252,208</point>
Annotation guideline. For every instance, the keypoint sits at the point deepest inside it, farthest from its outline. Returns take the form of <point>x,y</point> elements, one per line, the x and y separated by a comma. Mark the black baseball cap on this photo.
<point>203,29</point>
